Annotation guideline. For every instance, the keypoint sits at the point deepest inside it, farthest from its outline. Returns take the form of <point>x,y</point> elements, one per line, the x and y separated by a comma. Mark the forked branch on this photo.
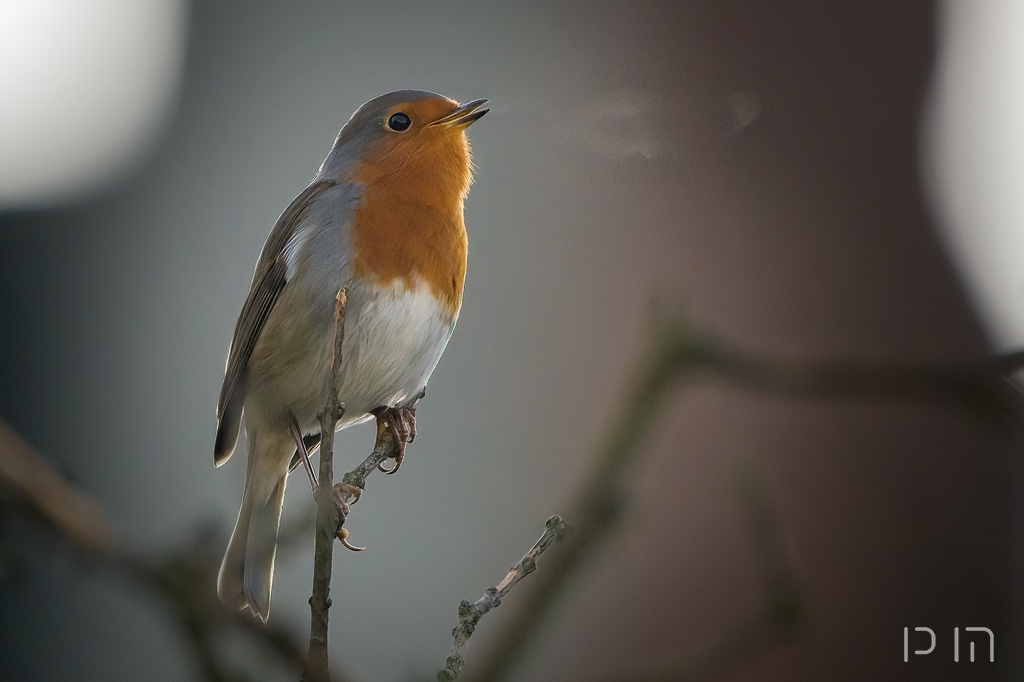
<point>470,614</point>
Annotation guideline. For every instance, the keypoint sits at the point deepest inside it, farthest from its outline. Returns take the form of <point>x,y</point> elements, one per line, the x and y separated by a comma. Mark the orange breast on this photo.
<point>409,227</point>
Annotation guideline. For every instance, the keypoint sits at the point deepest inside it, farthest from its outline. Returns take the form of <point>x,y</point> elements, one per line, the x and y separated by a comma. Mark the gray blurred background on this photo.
<point>757,163</point>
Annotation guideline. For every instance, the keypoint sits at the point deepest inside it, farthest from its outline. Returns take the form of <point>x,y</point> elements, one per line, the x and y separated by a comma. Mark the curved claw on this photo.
<point>402,424</point>
<point>343,537</point>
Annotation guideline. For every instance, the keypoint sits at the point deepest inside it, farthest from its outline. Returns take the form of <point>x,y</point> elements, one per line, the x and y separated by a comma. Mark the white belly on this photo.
<point>394,338</point>
<point>391,349</point>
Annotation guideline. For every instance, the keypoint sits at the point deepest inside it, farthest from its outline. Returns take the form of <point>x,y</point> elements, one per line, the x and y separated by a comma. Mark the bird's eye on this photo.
<point>399,122</point>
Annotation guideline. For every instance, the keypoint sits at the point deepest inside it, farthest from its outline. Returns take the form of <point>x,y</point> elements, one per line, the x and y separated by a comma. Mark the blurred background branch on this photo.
<point>676,355</point>
<point>184,577</point>
<point>777,620</point>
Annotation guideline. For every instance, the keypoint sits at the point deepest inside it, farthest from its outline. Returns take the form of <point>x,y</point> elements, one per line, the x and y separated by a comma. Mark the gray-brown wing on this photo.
<point>268,281</point>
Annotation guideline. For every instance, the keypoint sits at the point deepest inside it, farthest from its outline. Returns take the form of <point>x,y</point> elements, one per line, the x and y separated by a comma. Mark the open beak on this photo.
<point>463,115</point>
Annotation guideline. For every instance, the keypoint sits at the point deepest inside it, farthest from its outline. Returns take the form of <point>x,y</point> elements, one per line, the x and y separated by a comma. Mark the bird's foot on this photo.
<point>341,493</point>
<point>402,422</point>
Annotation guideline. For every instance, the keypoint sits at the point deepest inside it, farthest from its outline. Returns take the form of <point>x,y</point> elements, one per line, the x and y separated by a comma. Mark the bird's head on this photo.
<point>413,133</point>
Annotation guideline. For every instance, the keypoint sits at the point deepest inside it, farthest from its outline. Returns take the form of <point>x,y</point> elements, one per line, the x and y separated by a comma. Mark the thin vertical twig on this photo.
<point>326,515</point>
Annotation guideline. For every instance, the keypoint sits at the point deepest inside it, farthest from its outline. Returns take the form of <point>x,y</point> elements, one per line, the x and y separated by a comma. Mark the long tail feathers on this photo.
<point>247,572</point>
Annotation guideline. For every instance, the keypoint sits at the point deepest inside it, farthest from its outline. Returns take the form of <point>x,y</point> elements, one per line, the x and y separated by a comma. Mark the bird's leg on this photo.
<point>303,453</point>
<point>342,495</point>
<point>402,422</point>
<point>312,443</point>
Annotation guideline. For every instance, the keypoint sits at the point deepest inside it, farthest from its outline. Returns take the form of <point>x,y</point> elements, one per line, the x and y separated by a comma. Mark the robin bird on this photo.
<point>383,218</point>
